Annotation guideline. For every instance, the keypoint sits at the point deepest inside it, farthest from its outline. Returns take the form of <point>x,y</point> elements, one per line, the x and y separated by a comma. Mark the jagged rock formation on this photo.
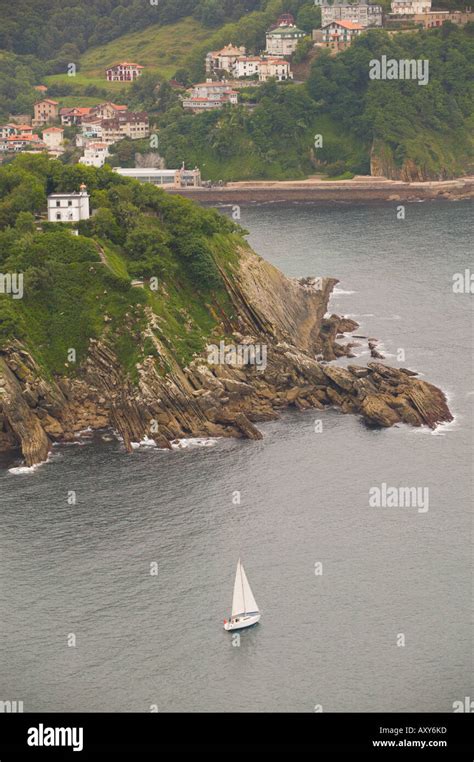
<point>284,315</point>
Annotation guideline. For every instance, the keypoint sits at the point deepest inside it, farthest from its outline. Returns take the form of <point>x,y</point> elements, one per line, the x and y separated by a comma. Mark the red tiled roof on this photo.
<point>211,84</point>
<point>23,138</point>
<point>125,63</point>
<point>79,110</point>
<point>53,129</point>
<point>345,24</point>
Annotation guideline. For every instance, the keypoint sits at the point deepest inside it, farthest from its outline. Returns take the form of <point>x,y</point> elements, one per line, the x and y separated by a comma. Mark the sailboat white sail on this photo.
<point>245,611</point>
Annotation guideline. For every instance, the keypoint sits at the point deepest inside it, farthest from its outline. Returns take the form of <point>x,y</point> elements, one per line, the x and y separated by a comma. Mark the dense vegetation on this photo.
<point>426,127</point>
<point>273,140</point>
<point>429,125</point>
<point>41,26</point>
<point>70,295</point>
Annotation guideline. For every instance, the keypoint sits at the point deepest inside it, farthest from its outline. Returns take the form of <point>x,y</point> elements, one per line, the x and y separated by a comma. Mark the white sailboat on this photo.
<point>244,606</point>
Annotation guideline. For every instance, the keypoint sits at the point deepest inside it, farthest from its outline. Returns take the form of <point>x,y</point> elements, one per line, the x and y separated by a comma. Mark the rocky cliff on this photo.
<point>167,401</point>
<point>384,163</point>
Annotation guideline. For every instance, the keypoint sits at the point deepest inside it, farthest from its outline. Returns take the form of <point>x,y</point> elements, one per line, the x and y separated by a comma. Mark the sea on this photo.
<point>117,570</point>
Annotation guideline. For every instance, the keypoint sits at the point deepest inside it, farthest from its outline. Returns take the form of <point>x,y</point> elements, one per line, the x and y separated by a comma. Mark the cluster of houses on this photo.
<point>235,62</point>
<point>98,128</point>
<point>19,137</point>
<point>342,22</point>
<point>227,69</point>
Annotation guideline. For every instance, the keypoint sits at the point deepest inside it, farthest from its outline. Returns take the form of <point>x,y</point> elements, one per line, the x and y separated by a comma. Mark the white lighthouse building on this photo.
<point>69,207</point>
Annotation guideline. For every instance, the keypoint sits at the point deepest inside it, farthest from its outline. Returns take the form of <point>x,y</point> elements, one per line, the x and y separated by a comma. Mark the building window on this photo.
<point>58,203</point>
<point>69,203</point>
<point>58,216</point>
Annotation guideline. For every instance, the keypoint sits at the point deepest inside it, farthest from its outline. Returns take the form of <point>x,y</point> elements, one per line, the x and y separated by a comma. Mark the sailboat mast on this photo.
<point>242,585</point>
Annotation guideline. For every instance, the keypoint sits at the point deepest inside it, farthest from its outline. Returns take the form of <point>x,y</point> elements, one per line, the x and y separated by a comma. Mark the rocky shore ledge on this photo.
<point>361,189</point>
<point>286,316</point>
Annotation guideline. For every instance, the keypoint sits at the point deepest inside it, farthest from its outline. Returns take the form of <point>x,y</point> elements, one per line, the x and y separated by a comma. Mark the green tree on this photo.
<point>309,17</point>
<point>25,223</point>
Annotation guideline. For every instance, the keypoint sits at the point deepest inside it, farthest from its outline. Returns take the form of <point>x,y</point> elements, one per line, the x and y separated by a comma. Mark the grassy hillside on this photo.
<point>162,49</point>
<point>71,296</point>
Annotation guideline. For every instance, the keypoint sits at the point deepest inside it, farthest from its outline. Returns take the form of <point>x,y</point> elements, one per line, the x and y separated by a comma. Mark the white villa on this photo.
<point>69,207</point>
<point>209,95</point>
<point>246,66</point>
<point>283,40</point>
<point>124,72</point>
<point>410,7</point>
<point>95,155</point>
<point>53,137</point>
<point>339,35</point>
<point>223,60</point>
<point>265,67</point>
<point>366,14</point>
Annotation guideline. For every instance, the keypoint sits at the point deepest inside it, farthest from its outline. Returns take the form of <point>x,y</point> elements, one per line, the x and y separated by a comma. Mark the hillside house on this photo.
<point>95,155</point>
<point>264,67</point>
<point>133,125</point>
<point>124,72</point>
<point>274,68</point>
<point>107,110</point>
<point>223,60</point>
<point>45,111</point>
<point>410,7</point>
<point>53,138</point>
<point>6,130</point>
<point>69,207</point>
<point>283,40</point>
<point>247,66</point>
<point>91,129</point>
<point>339,35</point>
<point>16,143</point>
<point>72,116</point>
<point>433,19</point>
<point>22,129</point>
<point>368,15</point>
<point>206,96</point>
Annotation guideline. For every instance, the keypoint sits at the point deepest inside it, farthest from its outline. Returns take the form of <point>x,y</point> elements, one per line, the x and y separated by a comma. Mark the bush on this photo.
<point>336,168</point>
<point>199,262</point>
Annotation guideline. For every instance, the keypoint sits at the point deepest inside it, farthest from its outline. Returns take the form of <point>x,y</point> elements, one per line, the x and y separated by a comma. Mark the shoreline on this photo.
<point>360,189</point>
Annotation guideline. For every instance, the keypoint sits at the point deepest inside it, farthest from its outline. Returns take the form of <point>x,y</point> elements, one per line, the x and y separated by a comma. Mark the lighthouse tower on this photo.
<point>84,211</point>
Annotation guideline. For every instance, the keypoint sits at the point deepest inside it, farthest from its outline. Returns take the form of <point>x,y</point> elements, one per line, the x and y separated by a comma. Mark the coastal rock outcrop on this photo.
<point>288,317</point>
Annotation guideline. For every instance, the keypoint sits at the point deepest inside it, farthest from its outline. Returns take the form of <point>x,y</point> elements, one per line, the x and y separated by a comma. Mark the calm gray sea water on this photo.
<point>327,640</point>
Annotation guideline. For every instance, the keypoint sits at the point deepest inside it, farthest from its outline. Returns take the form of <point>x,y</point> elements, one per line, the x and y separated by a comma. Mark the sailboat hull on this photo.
<point>242,621</point>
